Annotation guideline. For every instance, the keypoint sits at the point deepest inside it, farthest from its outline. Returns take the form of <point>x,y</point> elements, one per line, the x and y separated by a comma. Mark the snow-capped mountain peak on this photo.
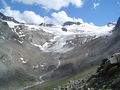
<point>60,38</point>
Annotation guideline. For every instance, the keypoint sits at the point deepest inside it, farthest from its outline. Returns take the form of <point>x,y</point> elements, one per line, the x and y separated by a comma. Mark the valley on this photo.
<point>32,55</point>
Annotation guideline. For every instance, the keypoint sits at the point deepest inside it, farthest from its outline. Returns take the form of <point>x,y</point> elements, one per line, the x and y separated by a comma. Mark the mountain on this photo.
<point>111,24</point>
<point>7,18</point>
<point>118,23</point>
<point>33,54</point>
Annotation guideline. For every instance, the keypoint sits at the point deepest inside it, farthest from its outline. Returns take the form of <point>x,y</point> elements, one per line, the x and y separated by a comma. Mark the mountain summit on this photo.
<point>118,23</point>
<point>7,18</point>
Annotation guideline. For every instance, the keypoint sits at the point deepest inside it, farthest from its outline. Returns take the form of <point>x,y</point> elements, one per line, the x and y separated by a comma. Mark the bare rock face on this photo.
<point>118,23</point>
<point>71,23</point>
<point>115,58</point>
<point>117,27</point>
<point>64,29</point>
<point>111,24</point>
<point>47,25</point>
<point>31,35</point>
<point>5,31</point>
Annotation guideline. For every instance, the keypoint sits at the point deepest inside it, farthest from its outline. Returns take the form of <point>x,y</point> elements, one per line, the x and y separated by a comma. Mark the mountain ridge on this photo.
<point>7,18</point>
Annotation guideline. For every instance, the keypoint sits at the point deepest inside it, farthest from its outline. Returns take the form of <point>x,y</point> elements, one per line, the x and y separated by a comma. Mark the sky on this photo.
<point>98,12</point>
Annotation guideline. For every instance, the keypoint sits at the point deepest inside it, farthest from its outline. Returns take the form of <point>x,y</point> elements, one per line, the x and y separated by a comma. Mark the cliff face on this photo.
<point>118,23</point>
<point>117,27</point>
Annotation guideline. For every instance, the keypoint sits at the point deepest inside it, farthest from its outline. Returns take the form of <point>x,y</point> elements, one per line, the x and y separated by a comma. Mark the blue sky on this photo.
<point>99,12</point>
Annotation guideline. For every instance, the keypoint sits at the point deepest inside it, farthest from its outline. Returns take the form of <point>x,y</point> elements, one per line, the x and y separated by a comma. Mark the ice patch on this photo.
<point>12,24</point>
<point>22,60</point>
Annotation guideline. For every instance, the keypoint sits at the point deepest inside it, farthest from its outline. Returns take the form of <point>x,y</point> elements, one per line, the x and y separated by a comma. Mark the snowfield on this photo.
<point>58,43</point>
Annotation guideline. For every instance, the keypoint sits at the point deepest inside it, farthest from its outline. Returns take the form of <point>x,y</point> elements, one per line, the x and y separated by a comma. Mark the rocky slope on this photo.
<point>21,62</point>
<point>107,77</point>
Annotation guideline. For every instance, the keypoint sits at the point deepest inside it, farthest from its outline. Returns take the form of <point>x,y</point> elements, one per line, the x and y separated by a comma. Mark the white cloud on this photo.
<point>96,5</point>
<point>60,18</point>
<point>52,4</point>
<point>25,17</point>
<point>31,18</point>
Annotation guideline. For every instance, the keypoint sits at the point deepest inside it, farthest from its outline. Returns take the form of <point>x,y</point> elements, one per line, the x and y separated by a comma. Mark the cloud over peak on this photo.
<point>61,17</point>
<point>26,17</point>
<point>30,17</point>
<point>52,4</point>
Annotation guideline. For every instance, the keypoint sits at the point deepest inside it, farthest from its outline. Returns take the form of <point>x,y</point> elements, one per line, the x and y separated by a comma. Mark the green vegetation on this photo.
<point>53,84</point>
<point>17,80</point>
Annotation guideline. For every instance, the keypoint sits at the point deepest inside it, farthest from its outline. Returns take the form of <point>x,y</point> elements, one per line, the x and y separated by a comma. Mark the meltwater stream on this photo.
<point>41,80</point>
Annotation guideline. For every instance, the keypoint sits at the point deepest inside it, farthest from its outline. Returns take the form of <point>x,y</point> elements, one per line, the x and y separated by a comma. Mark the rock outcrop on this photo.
<point>64,29</point>
<point>71,23</point>
<point>107,75</point>
<point>118,23</point>
<point>47,25</point>
<point>117,27</point>
<point>111,24</point>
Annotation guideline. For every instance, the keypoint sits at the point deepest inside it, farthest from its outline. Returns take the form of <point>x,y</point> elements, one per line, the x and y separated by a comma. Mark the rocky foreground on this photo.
<point>107,77</point>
